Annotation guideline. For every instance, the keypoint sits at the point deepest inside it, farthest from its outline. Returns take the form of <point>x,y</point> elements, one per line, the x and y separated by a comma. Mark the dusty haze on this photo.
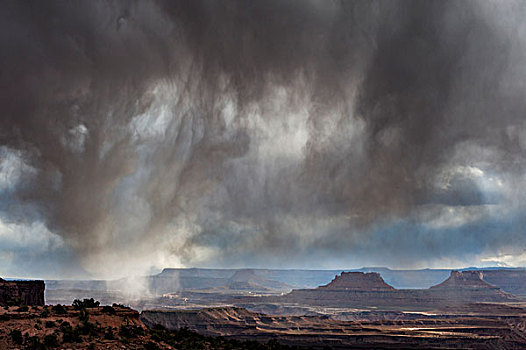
<point>140,135</point>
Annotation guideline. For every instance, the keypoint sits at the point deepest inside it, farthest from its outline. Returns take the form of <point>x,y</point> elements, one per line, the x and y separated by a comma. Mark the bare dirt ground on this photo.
<point>40,327</point>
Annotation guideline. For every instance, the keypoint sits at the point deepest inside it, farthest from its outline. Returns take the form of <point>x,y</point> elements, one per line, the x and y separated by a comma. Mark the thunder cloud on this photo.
<point>147,134</point>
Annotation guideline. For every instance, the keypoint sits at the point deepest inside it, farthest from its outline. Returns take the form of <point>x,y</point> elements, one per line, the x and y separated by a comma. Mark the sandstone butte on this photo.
<point>356,289</point>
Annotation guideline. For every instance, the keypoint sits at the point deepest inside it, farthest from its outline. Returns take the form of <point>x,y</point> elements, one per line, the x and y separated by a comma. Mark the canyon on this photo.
<point>216,284</point>
<point>352,309</point>
<point>486,329</point>
<point>361,310</point>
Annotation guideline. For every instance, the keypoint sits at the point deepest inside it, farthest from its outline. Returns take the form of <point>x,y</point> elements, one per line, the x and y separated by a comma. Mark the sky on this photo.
<point>138,135</point>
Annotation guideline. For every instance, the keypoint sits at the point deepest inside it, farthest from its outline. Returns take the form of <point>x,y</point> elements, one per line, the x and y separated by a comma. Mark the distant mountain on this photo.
<point>247,279</point>
<point>511,280</point>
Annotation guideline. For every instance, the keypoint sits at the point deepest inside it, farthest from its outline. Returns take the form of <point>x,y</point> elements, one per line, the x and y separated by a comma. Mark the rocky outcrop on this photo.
<point>464,280</point>
<point>371,281</point>
<point>512,281</point>
<point>21,292</point>
<point>212,321</point>
<point>462,286</point>
<point>348,289</point>
<point>357,289</point>
<point>46,327</point>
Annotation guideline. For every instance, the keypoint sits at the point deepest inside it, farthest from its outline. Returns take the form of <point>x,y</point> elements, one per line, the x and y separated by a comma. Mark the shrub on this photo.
<point>86,328</point>
<point>83,315</point>
<point>108,309</point>
<point>50,324</point>
<point>108,335</point>
<point>34,343</point>
<point>151,346</point>
<point>127,332</point>
<point>86,303</point>
<point>70,335</point>
<point>16,336</point>
<point>120,306</point>
<point>23,308</point>
<point>160,334</point>
<point>59,309</point>
<point>44,313</point>
<point>51,340</point>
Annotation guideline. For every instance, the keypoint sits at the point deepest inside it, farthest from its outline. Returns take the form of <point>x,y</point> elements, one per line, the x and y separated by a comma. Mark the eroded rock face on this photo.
<point>21,292</point>
<point>465,280</point>
<point>358,281</point>
<point>511,281</point>
<point>409,331</point>
<point>357,289</point>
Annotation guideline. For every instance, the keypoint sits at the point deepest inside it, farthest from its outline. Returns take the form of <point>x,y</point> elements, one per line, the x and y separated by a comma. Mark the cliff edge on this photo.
<point>371,281</point>
<point>21,292</point>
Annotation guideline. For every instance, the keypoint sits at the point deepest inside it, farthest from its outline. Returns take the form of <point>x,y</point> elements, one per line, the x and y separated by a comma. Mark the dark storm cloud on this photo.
<point>178,131</point>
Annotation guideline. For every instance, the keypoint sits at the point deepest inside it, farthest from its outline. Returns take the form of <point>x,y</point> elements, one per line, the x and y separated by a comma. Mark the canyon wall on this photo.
<point>21,292</point>
<point>511,281</point>
<point>482,330</point>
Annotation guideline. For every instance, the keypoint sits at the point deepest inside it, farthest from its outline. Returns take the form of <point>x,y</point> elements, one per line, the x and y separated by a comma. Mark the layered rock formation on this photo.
<point>478,331</point>
<point>468,286</point>
<point>358,281</point>
<point>356,289</point>
<point>512,281</point>
<point>348,289</point>
<point>21,292</point>
<point>247,279</point>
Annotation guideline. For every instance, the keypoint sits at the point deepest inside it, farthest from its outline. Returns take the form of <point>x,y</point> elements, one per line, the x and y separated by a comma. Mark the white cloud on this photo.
<point>448,175</point>
<point>13,168</point>
<point>76,138</point>
<point>33,236</point>
<point>31,250</point>
<point>446,217</point>
<point>511,260</point>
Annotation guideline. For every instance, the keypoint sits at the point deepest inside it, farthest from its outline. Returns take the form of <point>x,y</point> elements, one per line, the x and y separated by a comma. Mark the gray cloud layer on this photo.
<point>203,132</point>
